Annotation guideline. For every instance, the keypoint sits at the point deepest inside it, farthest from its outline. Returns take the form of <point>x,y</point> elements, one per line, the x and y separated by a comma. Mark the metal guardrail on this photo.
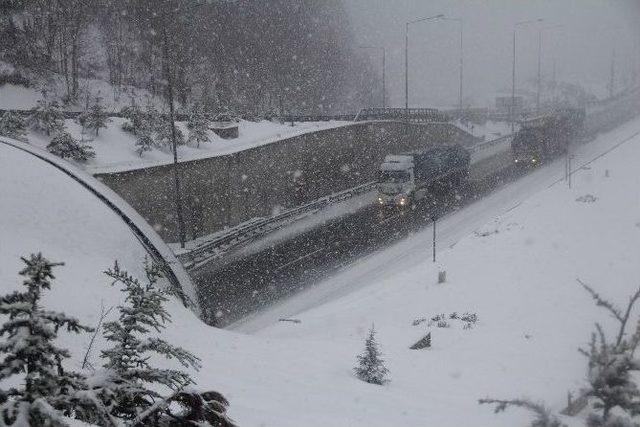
<point>413,115</point>
<point>251,230</point>
<point>246,232</point>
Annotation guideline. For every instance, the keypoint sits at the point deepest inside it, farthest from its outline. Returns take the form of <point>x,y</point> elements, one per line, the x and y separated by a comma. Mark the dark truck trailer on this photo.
<point>408,177</point>
<point>546,137</point>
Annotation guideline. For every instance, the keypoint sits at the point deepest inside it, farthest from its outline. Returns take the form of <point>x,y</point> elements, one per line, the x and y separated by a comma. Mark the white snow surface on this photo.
<point>486,131</point>
<point>512,258</point>
<point>517,273</point>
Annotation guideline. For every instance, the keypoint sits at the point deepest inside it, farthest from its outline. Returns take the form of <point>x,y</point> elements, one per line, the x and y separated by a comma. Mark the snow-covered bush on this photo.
<point>46,117</point>
<point>542,416</point>
<point>612,363</point>
<point>198,126</point>
<point>13,125</point>
<point>130,384</point>
<point>47,391</point>
<point>371,367</point>
<point>65,146</point>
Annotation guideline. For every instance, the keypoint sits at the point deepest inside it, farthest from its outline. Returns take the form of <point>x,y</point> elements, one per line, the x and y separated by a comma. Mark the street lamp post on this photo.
<point>169,77</point>
<point>513,73</point>
<point>384,71</point>
<point>539,82</point>
<point>461,67</point>
<point>406,60</point>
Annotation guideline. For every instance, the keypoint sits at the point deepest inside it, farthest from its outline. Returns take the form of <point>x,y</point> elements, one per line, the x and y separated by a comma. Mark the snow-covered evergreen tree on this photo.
<point>198,126</point>
<point>152,117</point>
<point>46,117</point>
<point>144,141</point>
<point>65,146</point>
<point>164,135</point>
<point>371,367</point>
<point>13,125</point>
<point>47,391</point>
<point>542,415</point>
<point>610,375</point>
<point>97,117</point>
<point>612,363</point>
<point>135,116</point>
<point>130,388</point>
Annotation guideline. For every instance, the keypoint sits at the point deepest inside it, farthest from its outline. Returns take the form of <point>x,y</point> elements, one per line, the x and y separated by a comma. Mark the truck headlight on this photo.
<point>380,200</point>
<point>403,201</point>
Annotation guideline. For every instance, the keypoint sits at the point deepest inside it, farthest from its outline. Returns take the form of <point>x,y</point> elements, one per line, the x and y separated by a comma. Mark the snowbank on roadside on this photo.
<point>487,131</point>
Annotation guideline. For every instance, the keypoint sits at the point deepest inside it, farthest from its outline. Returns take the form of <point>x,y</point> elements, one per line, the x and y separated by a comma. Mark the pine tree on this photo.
<point>152,118</point>
<point>65,146</point>
<point>49,391</point>
<point>97,117</point>
<point>46,117</point>
<point>610,375</point>
<point>135,117</point>
<point>164,135</point>
<point>198,126</point>
<point>542,415</point>
<point>144,141</point>
<point>612,363</point>
<point>130,388</point>
<point>371,367</point>
<point>12,125</point>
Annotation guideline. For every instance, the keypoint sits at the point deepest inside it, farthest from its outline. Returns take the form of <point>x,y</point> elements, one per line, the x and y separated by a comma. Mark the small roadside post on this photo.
<point>434,218</point>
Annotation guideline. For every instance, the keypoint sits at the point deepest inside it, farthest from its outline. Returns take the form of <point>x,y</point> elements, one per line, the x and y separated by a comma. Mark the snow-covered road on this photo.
<point>450,229</point>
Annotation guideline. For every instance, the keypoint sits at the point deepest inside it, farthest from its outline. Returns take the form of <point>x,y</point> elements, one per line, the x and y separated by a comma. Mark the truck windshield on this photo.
<point>395,177</point>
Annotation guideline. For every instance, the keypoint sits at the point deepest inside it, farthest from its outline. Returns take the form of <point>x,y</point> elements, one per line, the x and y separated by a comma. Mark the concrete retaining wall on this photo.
<point>223,191</point>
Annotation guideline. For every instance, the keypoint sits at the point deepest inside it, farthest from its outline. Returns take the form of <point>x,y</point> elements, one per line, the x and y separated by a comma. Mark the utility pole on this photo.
<point>384,77</point>
<point>539,71</point>
<point>513,72</point>
<point>512,117</point>
<point>406,73</point>
<point>406,61</point>
<point>176,172</point>
<point>434,219</point>
<point>461,66</point>
<point>384,71</point>
<point>612,78</point>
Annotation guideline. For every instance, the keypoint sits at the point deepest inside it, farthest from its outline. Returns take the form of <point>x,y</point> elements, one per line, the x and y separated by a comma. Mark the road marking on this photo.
<point>298,259</point>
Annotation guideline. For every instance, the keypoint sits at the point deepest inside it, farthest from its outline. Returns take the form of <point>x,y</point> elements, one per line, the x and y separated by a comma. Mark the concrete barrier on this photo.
<point>223,191</point>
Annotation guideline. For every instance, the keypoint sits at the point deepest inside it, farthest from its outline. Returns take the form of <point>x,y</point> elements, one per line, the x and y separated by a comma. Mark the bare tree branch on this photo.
<point>103,314</point>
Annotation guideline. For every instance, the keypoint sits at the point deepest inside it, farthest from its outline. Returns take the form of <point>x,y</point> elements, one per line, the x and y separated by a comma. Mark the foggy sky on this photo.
<point>582,47</point>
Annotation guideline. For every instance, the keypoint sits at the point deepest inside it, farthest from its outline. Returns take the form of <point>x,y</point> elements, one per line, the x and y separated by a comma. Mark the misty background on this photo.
<point>579,35</point>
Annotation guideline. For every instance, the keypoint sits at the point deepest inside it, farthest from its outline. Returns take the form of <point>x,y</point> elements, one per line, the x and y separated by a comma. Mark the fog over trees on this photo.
<point>294,56</point>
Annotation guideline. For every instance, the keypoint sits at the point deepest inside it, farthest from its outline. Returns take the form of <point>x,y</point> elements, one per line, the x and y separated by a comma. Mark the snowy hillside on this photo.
<point>532,315</point>
<point>116,151</point>
<point>517,273</point>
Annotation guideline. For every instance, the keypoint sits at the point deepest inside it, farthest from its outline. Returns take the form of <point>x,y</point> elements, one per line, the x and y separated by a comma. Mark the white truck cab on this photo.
<point>396,183</point>
<point>409,177</point>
